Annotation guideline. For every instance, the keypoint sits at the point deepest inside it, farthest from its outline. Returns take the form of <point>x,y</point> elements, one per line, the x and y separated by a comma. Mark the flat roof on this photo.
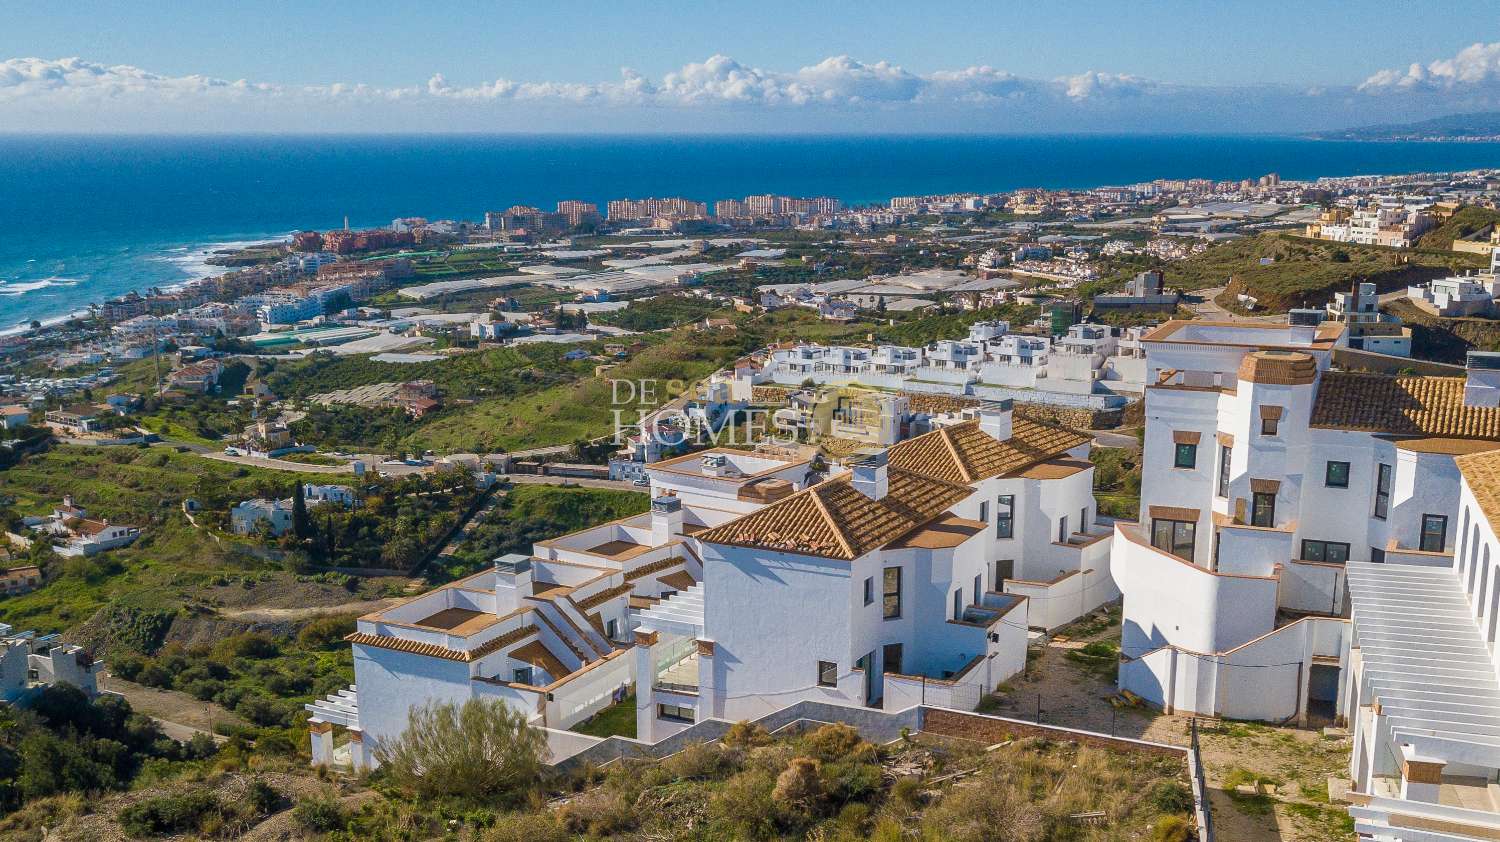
<point>942,533</point>
<point>460,621</point>
<point>1247,334</point>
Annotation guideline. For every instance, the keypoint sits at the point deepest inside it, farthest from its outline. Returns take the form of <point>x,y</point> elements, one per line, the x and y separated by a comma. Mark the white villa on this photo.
<point>913,573</point>
<point>77,534</point>
<point>1091,366</point>
<point>29,661</point>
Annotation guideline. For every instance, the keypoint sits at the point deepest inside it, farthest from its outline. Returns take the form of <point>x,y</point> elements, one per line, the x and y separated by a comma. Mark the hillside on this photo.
<point>1484,124</point>
<point>1284,271</point>
<point>1466,221</point>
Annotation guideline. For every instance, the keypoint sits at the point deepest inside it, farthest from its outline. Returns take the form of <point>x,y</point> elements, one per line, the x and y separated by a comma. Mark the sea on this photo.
<point>84,218</point>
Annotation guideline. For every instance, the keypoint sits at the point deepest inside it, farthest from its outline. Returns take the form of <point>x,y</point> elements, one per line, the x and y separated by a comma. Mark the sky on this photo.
<point>765,66</point>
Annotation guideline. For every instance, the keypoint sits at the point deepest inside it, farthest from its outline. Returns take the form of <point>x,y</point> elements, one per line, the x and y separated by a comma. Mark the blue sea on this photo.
<point>85,218</point>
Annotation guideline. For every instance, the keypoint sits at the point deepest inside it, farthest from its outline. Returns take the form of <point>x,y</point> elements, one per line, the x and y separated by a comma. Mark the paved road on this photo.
<point>1127,442</point>
<point>278,464</point>
<point>581,482</point>
<point>1207,308</point>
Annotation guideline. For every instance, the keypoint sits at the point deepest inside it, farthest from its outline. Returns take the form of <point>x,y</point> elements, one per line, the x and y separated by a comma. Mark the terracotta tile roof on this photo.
<point>1280,368</point>
<point>926,476</point>
<point>598,599</point>
<point>432,650</point>
<point>1413,405</point>
<point>537,654</point>
<point>964,453</point>
<point>1482,472</point>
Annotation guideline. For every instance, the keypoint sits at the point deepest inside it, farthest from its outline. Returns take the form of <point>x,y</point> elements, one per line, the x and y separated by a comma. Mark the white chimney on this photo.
<point>1482,385</point>
<point>995,419</point>
<point>666,519</point>
<point>869,475</point>
<point>512,581</point>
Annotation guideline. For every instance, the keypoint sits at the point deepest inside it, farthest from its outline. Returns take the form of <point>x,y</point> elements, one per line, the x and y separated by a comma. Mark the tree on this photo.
<point>300,525</point>
<point>482,750</point>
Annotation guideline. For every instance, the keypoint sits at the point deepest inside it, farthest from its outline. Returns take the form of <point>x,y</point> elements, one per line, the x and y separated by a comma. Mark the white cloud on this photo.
<point>1094,84</point>
<point>1475,66</point>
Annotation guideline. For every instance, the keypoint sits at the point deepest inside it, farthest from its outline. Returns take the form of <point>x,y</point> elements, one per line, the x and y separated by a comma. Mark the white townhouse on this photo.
<point>1265,475</point>
<point>912,577</point>
<point>1419,688</point>
<point>549,633</point>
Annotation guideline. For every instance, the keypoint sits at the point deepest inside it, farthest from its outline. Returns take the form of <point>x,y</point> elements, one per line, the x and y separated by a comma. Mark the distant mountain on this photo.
<point>1484,125</point>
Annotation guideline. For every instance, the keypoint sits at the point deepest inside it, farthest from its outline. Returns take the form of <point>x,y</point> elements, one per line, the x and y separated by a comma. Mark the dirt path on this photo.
<point>170,706</point>
<point>272,615</point>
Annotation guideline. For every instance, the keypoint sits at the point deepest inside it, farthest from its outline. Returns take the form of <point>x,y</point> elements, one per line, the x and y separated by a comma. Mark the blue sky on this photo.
<point>776,66</point>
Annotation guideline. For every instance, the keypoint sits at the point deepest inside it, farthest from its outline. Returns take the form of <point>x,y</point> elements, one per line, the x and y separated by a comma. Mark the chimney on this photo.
<point>1482,385</point>
<point>512,581</point>
<point>869,477</point>
<point>666,519</point>
<point>995,419</point>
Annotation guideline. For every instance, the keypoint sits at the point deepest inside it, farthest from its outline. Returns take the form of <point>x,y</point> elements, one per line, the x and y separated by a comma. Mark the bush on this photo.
<point>745,735</point>
<point>1171,797</point>
<point>1171,829</point>
<point>907,791</point>
<point>484,749</point>
<point>323,632</point>
<point>248,645</point>
<point>983,813</point>
<point>527,827</point>
<point>744,807</point>
<point>170,814</point>
<point>319,815</point>
<point>799,786</point>
<point>832,742</point>
<point>599,812</point>
<point>263,798</point>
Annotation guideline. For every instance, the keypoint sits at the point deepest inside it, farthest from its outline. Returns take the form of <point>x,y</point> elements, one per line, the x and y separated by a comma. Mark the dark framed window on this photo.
<point>1434,533</point>
<point>984,511</point>
<point>612,629</point>
<point>1225,452</point>
<point>869,590</point>
<point>958,604</point>
<point>891,594</point>
<point>1185,456</point>
<point>674,713</point>
<point>1263,509</point>
<point>521,676</point>
<point>1330,551</point>
<point>1062,530</point>
<point>1005,568</point>
<point>1268,426</point>
<point>828,674</point>
<point>978,587</point>
<point>1005,514</point>
<point>1174,536</point>
<point>1336,475</point>
<point>1382,491</point>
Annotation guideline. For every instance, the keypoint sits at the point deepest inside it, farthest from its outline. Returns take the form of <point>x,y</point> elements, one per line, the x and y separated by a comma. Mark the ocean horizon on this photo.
<point>91,217</point>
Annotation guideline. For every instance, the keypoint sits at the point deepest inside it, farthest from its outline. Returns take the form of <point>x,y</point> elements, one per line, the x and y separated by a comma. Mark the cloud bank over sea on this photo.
<point>839,93</point>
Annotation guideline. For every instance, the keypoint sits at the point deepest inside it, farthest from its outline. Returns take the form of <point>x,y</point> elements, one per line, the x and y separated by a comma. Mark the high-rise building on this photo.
<point>578,212</point>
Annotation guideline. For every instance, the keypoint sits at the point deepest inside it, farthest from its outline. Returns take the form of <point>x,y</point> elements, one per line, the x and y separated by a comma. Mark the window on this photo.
<point>1263,510</point>
<point>828,674</point>
<point>892,656</point>
<point>1083,519</point>
<point>869,589</point>
<point>1382,491</point>
<point>1336,475</point>
<point>1173,536</point>
<point>1005,506</point>
<point>521,676</point>
<point>1224,455</point>
<point>984,510</point>
<point>1434,533</point>
<point>1330,551</point>
<point>958,604</point>
<point>978,586</point>
<point>892,593</point>
<point>1186,456</point>
<point>1062,530</point>
<point>674,713</point>
<point>612,629</point>
<point>1268,426</point>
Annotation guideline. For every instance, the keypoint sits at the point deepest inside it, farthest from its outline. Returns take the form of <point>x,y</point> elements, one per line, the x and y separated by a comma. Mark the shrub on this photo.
<point>527,827</point>
<point>1171,797</point>
<point>483,749</point>
<point>323,632</point>
<point>908,791</point>
<point>263,798</point>
<point>1171,829</point>
<point>799,787</point>
<point>598,812</point>
<point>851,780</point>
<point>248,645</point>
<point>745,735</point>
<point>832,742</point>
<point>165,814</point>
<point>744,807</point>
<point>697,762</point>
<point>983,814</point>
<point>319,815</point>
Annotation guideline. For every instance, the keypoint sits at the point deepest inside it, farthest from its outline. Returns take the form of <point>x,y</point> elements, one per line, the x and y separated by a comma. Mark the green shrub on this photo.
<point>319,815</point>
<point>743,807</point>
<point>527,827</point>
<point>484,749</point>
<point>1171,829</point>
<point>1171,797</point>
<point>832,742</point>
<point>324,632</point>
<point>166,814</point>
<point>263,798</point>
